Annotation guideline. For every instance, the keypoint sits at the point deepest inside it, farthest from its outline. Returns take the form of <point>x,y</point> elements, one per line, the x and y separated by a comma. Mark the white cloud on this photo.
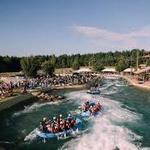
<point>102,38</point>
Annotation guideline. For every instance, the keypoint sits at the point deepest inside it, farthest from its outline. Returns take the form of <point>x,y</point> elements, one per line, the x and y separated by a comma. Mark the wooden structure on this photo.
<point>143,74</point>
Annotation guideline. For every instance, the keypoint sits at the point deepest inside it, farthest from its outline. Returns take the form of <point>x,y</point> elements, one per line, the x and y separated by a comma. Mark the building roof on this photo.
<point>146,69</point>
<point>64,71</point>
<point>41,72</point>
<point>83,70</point>
<point>109,70</point>
<point>129,70</point>
<point>146,56</point>
<point>142,65</point>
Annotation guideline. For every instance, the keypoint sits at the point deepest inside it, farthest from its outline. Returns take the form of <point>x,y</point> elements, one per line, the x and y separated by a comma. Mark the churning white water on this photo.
<point>108,131</point>
<point>31,136</point>
<point>33,107</point>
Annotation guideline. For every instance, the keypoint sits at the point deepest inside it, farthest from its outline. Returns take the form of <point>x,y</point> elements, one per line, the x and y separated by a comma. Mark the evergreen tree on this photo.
<point>122,64</point>
<point>48,67</point>
<point>29,66</point>
<point>98,67</point>
<point>76,64</point>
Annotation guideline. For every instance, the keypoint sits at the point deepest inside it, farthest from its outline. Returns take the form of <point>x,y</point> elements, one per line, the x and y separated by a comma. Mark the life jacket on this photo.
<point>43,123</point>
<point>94,108</point>
<point>72,122</point>
<point>49,129</point>
<point>68,125</point>
<point>44,128</point>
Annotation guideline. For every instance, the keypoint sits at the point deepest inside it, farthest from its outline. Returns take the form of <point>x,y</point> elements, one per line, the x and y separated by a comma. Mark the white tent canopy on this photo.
<point>113,70</point>
<point>83,70</point>
<point>129,70</point>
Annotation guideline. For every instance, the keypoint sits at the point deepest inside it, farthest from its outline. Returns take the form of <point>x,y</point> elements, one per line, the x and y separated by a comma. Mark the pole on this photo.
<point>137,60</point>
<point>131,64</point>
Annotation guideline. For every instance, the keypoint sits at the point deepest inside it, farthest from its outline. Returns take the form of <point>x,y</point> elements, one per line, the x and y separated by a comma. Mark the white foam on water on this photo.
<point>107,131</point>
<point>108,91</point>
<point>120,85</point>
<point>104,136</point>
<point>33,107</point>
<point>79,96</point>
<point>31,136</point>
<point>112,87</point>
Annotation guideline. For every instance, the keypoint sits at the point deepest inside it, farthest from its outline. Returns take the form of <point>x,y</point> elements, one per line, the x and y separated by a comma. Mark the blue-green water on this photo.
<point>124,121</point>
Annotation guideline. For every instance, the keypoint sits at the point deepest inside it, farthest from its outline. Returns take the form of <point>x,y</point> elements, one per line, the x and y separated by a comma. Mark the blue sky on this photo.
<point>31,27</point>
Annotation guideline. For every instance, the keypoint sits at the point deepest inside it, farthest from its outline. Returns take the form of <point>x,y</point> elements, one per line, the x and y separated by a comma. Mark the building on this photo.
<point>128,71</point>
<point>143,74</point>
<point>83,70</point>
<point>109,70</point>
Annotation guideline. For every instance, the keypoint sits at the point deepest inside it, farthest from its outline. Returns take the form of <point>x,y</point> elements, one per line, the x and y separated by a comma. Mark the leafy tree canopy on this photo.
<point>98,67</point>
<point>122,64</point>
<point>13,64</point>
<point>29,66</point>
<point>48,67</point>
<point>76,64</point>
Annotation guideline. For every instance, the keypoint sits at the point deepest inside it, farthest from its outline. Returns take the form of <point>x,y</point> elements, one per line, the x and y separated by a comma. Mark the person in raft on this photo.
<point>85,106</point>
<point>58,124</point>
<point>92,108</point>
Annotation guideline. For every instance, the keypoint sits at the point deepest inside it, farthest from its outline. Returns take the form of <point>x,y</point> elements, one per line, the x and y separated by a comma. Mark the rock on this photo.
<point>45,97</point>
<point>60,97</point>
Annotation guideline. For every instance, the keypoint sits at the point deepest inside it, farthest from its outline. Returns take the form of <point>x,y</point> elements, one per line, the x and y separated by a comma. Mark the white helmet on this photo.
<point>44,119</point>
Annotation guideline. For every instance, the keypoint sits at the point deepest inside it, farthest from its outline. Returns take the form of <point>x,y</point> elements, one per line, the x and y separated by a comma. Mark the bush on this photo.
<point>29,66</point>
<point>48,67</point>
<point>98,67</point>
<point>76,64</point>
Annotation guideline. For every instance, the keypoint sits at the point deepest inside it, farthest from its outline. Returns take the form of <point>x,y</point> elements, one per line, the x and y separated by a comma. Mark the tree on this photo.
<point>98,67</point>
<point>53,59</point>
<point>92,60</point>
<point>29,66</point>
<point>122,64</point>
<point>76,64</point>
<point>48,67</point>
<point>8,64</point>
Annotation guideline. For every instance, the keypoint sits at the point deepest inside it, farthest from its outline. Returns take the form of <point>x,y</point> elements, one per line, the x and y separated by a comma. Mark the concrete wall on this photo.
<point>8,102</point>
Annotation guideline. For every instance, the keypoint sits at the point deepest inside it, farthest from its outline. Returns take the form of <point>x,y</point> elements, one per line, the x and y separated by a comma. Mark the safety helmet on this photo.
<point>44,119</point>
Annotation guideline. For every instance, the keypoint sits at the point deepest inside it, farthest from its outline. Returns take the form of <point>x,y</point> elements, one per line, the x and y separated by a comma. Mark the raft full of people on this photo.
<point>94,90</point>
<point>58,127</point>
<point>90,108</point>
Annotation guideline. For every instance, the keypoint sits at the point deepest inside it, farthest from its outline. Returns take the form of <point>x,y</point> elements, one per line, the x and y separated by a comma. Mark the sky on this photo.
<point>45,27</point>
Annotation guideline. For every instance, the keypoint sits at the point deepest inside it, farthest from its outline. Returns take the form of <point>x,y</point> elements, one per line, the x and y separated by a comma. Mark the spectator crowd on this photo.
<point>6,88</point>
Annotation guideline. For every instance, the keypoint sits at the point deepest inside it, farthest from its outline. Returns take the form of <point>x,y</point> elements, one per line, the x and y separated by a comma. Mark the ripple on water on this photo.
<point>108,130</point>
<point>105,134</point>
<point>32,108</point>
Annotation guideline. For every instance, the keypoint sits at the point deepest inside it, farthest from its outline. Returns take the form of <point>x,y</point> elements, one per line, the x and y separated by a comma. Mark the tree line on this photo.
<point>120,59</point>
